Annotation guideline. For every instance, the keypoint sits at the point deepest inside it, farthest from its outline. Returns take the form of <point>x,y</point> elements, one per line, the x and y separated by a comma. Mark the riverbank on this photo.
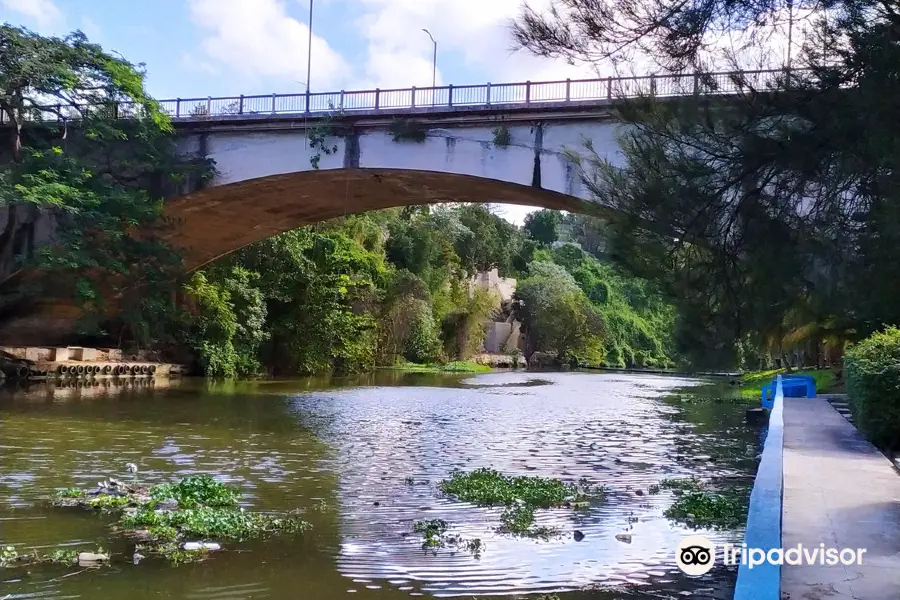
<point>459,366</point>
<point>753,382</point>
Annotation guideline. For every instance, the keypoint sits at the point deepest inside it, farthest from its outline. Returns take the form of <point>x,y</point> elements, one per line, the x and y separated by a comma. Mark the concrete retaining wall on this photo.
<point>763,582</point>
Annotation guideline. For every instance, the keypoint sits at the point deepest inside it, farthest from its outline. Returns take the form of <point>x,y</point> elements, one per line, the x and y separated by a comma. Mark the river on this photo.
<point>362,456</point>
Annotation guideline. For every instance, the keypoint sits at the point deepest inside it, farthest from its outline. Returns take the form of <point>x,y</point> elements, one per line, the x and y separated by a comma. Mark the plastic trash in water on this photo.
<point>211,546</point>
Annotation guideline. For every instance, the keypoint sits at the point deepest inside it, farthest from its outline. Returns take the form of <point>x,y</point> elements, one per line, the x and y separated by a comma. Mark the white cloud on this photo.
<point>44,13</point>
<point>257,39</point>
<point>90,28</point>
<point>400,53</point>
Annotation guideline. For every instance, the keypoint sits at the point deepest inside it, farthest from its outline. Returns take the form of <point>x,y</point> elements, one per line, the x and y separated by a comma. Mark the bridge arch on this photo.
<point>215,221</point>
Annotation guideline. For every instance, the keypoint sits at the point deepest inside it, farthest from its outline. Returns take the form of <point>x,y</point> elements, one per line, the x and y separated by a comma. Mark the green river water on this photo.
<point>344,450</point>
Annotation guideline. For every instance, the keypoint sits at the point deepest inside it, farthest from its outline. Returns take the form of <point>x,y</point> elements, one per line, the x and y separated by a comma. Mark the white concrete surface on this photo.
<point>841,491</point>
<point>246,154</point>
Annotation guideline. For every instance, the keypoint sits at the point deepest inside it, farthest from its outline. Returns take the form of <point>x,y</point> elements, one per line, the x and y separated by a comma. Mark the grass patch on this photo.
<point>752,383</point>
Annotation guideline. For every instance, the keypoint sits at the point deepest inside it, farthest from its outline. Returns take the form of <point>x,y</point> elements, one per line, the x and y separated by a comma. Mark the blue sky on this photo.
<point>199,48</point>
<point>230,47</point>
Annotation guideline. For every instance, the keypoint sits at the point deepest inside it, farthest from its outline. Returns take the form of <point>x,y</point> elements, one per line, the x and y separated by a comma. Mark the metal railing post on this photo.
<point>568,89</point>
<point>652,86</point>
<point>377,95</point>
<point>273,103</point>
<point>527,92</point>
<point>307,99</point>
<point>342,100</point>
<point>209,106</point>
<point>609,88</point>
<point>696,84</point>
<point>450,95</point>
<point>177,107</point>
<point>488,94</point>
<point>241,105</point>
<point>413,97</point>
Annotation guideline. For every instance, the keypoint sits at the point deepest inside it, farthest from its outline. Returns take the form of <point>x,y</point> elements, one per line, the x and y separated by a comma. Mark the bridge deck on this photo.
<point>841,491</point>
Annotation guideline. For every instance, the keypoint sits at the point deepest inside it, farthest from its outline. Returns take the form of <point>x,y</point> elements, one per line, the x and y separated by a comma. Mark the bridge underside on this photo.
<point>212,222</point>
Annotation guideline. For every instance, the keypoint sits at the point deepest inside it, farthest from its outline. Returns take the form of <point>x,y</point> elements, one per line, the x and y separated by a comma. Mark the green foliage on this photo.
<point>684,484</point>
<point>407,130</point>
<point>102,180</point>
<point>558,317</point>
<point>489,487</point>
<point>718,510</point>
<point>521,496</point>
<point>873,384</point>
<point>435,536</point>
<point>423,344</point>
<point>318,137</point>
<point>108,502</point>
<point>205,509</point>
<point>197,490</point>
<point>752,383</point>
<point>770,220</point>
<point>431,527</point>
<point>212,522</point>
<point>542,226</point>
<point>11,558</point>
<point>225,328</point>
<point>501,136</point>
<point>70,493</point>
<point>484,240</point>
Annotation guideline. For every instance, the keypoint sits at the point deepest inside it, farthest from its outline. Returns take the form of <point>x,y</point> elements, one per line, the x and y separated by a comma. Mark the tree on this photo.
<point>774,202</point>
<point>557,317</point>
<point>542,226</point>
<point>77,173</point>
<point>675,34</point>
<point>486,241</point>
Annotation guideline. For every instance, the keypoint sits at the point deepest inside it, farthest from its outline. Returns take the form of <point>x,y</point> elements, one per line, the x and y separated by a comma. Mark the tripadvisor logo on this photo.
<point>695,555</point>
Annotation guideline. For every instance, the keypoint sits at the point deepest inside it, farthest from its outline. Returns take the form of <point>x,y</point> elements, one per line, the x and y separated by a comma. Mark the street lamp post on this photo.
<point>309,54</point>
<point>433,65</point>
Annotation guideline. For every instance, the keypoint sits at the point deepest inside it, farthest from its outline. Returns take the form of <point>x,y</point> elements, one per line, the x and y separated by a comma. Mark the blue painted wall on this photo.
<point>763,582</point>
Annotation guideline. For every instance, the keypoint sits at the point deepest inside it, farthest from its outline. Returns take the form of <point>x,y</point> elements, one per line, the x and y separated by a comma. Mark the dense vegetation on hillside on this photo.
<point>393,285</point>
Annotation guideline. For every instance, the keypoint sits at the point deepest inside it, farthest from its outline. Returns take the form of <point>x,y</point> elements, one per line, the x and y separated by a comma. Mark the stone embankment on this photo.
<point>77,363</point>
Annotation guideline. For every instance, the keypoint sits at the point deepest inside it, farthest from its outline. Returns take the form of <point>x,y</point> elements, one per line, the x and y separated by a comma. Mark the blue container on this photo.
<point>792,386</point>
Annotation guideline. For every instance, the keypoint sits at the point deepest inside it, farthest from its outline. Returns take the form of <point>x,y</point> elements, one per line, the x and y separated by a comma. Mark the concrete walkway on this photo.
<point>840,491</point>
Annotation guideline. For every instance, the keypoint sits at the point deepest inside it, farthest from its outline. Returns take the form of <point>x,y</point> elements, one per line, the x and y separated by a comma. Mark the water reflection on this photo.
<point>363,456</point>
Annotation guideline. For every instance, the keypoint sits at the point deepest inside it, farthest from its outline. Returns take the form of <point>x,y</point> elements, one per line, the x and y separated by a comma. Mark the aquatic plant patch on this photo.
<point>487,487</point>
<point>197,490</point>
<point>10,557</point>
<point>435,536</point>
<point>681,483</point>
<point>708,509</point>
<point>168,519</point>
<point>520,495</point>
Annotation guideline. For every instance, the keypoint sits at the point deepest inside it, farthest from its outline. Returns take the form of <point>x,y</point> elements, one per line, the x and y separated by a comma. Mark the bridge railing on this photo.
<point>485,95</point>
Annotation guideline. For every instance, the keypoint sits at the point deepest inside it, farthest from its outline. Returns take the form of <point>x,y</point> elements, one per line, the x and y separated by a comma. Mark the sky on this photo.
<point>199,48</point>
